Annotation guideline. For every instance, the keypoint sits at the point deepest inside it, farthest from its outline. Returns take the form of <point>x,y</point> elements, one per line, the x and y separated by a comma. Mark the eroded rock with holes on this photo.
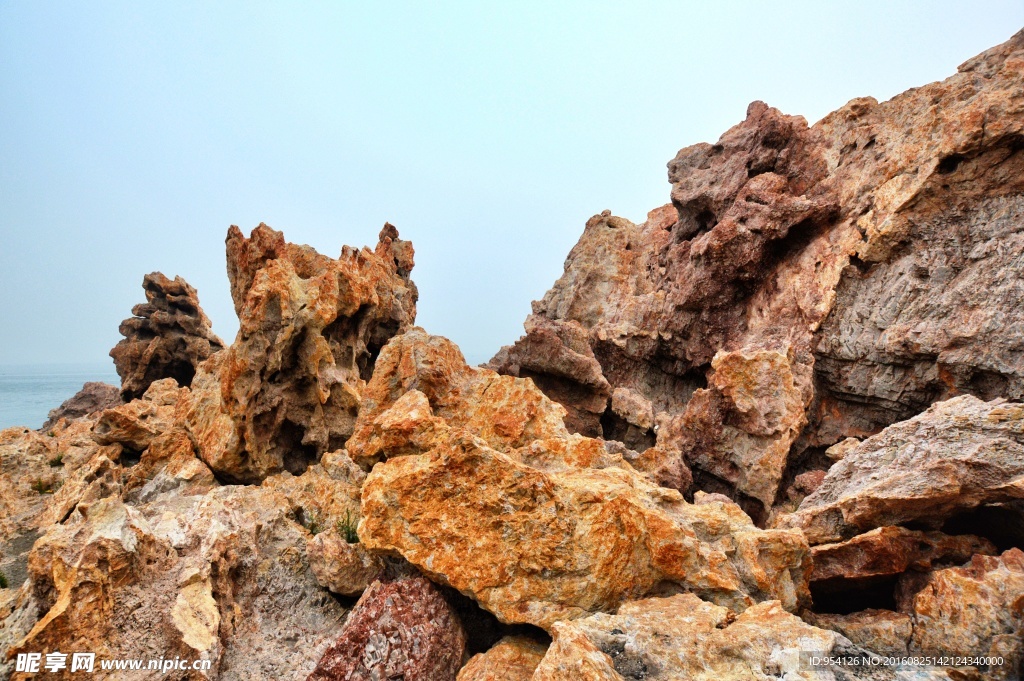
<point>168,337</point>
<point>310,328</point>
<point>93,397</point>
<point>401,628</point>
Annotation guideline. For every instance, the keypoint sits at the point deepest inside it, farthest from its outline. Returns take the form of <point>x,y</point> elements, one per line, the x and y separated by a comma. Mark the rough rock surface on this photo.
<point>683,637</point>
<point>879,251</point>
<point>288,388</point>
<point>168,337</point>
<point>960,454</point>
<point>400,629</point>
<point>344,568</point>
<point>537,525</point>
<point>514,658</point>
<point>93,397</point>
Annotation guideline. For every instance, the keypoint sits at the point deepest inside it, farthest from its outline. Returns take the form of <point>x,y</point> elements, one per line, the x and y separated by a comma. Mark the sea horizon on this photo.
<point>30,390</point>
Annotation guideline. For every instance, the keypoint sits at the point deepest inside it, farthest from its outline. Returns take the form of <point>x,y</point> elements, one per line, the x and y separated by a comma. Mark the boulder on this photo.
<point>401,628</point>
<point>513,658</point>
<point>683,637</point>
<point>93,397</point>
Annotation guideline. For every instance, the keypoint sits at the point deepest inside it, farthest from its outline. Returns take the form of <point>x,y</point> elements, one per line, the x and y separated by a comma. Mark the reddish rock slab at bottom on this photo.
<point>398,629</point>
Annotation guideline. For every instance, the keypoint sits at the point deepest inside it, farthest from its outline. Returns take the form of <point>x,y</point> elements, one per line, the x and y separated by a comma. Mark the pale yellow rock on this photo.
<point>513,658</point>
<point>196,616</point>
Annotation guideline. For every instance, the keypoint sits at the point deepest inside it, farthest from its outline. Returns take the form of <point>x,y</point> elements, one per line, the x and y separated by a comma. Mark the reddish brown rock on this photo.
<point>288,389</point>
<point>892,550</point>
<point>878,250</point>
<point>168,337</point>
<point>93,397</point>
<point>398,629</point>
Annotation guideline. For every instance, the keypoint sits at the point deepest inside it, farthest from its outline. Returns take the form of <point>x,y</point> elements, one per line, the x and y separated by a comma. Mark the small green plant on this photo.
<point>315,525</point>
<point>41,487</point>
<point>57,461</point>
<point>50,433</point>
<point>3,581</point>
<point>347,528</point>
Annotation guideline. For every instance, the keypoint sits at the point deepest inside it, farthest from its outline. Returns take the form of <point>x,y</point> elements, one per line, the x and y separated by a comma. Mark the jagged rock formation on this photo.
<point>93,397</point>
<point>168,337</point>
<point>875,256</point>
<point>288,388</point>
<point>782,417</point>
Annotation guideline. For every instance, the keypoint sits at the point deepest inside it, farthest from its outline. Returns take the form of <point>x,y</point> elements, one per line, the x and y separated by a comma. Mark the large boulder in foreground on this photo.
<point>310,328</point>
<point>493,496</point>
<point>168,336</point>
<point>958,455</point>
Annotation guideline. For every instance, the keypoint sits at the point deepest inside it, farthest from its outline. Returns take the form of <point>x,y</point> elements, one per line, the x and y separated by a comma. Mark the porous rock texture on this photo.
<point>399,629</point>
<point>168,336</point>
<point>806,284</point>
<point>310,329</point>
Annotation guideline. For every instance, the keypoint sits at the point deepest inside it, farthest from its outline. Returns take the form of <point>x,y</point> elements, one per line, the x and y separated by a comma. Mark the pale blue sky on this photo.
<point>133,134</point>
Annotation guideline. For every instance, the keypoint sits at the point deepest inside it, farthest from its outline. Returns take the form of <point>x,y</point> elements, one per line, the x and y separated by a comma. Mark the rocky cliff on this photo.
<point>783,416</point>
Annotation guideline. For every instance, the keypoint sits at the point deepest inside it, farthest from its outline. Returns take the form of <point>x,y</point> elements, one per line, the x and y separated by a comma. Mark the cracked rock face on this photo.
<point>401,628</point>
<point>513,658</point>
<point>878,250</point>
<point>168,336</point>
<point>501,502</point>
<point>958,455</point>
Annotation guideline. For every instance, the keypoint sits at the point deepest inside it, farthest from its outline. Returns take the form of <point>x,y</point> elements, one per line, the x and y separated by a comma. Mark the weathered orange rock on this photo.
<point>556,528</point>
<point>881,631</point>
<point>975,610</point>
<point>891,551</point>
<point>168,337</point>
<point>310,328</point>
<point>513,658</point>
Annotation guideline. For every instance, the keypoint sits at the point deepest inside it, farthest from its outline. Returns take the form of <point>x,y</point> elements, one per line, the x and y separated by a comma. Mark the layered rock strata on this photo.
<point>168,336</point>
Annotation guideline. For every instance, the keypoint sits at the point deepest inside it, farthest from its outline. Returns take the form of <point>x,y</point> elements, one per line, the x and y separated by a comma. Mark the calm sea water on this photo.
<point>28,392</point>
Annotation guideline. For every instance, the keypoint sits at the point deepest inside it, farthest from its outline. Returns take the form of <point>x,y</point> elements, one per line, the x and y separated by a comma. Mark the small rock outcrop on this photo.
<point>514,658</point>
<point>93,397</point>
<point>168,336</point>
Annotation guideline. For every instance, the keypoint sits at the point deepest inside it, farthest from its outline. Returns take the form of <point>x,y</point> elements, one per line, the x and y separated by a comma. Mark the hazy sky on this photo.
<point>133,134</point>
